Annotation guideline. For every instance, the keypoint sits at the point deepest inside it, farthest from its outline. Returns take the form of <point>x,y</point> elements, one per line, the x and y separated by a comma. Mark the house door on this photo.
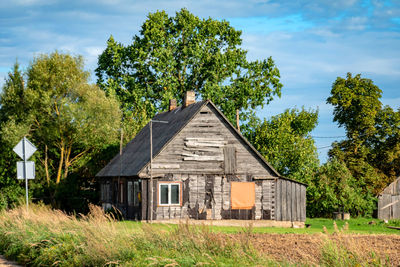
<point>134,200</point>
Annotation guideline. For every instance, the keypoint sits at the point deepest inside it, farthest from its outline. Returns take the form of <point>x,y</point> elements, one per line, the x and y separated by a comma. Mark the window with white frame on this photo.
<point>169,193</point>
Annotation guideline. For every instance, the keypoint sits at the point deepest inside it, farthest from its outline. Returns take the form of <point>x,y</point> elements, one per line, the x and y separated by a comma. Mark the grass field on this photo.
<point>45,237</point>
<point>317,225</point>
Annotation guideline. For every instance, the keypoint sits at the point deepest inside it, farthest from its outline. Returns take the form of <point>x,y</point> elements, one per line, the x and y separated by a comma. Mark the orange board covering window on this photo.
<point>243,195</point>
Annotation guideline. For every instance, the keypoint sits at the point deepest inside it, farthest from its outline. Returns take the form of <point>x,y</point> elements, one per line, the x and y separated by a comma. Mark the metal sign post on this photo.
<point>25,169</point>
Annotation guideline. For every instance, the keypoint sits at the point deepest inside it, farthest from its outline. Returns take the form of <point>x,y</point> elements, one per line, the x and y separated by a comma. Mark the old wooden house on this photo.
<point>202,168</point>
<point>389,202</point>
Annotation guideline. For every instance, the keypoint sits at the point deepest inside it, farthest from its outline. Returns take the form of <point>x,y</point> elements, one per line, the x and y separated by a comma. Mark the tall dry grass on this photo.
<point>341,249</point>
<point>42,236</point>
<point>46,237</point>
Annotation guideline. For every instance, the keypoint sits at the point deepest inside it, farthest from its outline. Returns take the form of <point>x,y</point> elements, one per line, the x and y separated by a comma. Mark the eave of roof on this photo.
<point>252,147</point>
<point>136,154</point>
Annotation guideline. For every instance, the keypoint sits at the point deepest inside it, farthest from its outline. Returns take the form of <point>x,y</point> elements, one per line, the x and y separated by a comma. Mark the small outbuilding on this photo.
<point>389,202</point>
<point>202,168</point>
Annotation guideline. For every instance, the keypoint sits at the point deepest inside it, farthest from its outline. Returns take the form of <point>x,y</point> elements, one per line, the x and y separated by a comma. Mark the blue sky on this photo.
<point>312,42</point>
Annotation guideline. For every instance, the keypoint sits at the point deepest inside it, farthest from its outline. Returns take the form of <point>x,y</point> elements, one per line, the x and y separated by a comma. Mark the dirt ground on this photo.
<point>6,263</point>
<point>306,248</point>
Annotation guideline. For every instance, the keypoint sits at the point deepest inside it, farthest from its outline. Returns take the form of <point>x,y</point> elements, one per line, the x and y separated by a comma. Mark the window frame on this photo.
<point>133,190</point>
<point>121,192</point>
<point>130,193</point>
<point>169,183</point>
<point>106,192</point>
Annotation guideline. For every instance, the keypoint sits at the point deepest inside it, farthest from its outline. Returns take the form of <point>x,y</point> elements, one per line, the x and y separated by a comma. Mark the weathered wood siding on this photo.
<point>199,149</point>
<point>197,203</point>
<point>206,156</point>
<point>290,201</point>
<point>389,202</point>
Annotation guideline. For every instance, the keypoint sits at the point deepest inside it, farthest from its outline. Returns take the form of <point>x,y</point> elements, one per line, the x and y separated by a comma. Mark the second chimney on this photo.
<point>190,98</point>
<point>172,104</point>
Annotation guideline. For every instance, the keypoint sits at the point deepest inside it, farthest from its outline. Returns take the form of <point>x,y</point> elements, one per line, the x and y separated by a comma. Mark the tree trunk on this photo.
<point>67,163</point>
<point>59,172</point>
<point>46,166</point>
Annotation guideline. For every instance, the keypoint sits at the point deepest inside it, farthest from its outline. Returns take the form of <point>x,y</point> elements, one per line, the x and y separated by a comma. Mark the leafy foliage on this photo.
<point>64,116</point>
<point>286,143</point>
<point>173,55</point>
<point>372,149</point>
<point>356,105</point>
<point>334,188</point>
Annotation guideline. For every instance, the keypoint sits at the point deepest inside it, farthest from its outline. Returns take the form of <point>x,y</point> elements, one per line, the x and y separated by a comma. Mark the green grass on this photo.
<point>357,225</point>
<point>46,237</point>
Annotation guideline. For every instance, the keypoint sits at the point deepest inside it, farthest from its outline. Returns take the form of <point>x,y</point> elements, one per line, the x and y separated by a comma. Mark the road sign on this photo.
<point>25,169</point>
<point>24,149</point>
<point>29,170</point>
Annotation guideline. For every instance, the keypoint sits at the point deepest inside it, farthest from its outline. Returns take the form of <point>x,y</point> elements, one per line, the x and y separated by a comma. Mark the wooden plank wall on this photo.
<point>389,207</point>
<point>389,202</point>
<point>197,152</point>
<point>267,200</point>
<point>290,201</point>
<point>199,149</point>
<point>194,203</point>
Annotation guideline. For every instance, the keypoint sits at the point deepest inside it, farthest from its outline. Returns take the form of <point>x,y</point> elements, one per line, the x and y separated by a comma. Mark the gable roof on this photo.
<point>136,154</point>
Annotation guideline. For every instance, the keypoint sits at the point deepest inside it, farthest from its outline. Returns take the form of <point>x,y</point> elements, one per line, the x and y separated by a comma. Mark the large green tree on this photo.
<point>371,150</point>
<point>356,104</point>
<point>172,55</point>
<point>285,141</point>
<point>333,188</point>
<point>61,113</point>
<point>10,189</point>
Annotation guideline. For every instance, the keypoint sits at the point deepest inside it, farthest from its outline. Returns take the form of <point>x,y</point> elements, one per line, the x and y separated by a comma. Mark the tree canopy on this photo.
<point>172,55</point>
<point>285,141</point>
<point>60,112</point>
<point>356,104</point>
<point>372,150</point>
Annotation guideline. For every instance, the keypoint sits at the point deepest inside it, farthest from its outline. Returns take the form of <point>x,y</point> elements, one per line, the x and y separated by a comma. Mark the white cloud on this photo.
<point>33,2</point>
<point>339,37</point>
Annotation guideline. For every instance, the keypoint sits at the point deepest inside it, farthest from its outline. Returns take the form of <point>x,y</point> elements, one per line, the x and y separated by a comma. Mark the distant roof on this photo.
<point>136,153</point>
<point>392,189</point>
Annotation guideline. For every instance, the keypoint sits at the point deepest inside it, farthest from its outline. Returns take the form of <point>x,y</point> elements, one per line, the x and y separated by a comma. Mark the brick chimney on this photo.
<point>190,98</point>
<point>172,104</point>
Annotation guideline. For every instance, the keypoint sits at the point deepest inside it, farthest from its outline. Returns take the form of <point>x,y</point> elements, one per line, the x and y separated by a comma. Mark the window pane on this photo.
<point>121,191</point>
<point>174,194</point>
<point>130,193</point>
<point>136,194</point>
<point>163,194</point>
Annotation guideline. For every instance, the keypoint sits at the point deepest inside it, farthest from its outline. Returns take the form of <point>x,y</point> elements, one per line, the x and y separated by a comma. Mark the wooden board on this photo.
<point>288,200</point>
<point>293,202</point>
<point>144,200</point>
<point>298,199</point>
<point>284,201</point>
<point>303,203</point>
<point>278,201</point>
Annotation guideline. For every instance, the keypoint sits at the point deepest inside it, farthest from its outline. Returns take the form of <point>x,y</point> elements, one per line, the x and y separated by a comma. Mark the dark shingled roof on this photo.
<point>136,154</point>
